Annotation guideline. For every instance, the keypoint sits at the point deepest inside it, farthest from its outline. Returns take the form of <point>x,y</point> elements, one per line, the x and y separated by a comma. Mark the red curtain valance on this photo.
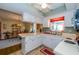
<point>57,19</point>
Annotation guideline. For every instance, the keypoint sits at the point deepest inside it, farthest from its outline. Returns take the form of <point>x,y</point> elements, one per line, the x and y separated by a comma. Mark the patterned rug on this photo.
<point>47,51</point>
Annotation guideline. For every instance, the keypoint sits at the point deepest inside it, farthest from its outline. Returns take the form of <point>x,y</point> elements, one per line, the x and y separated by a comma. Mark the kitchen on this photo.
<point>33,27</point>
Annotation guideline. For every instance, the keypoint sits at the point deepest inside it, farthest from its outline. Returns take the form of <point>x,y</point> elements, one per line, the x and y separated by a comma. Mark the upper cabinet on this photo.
<point>4,14</point>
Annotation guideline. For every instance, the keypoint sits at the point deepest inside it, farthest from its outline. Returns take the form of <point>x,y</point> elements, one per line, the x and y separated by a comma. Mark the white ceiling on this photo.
<point>35,9</point>
<point>50,6</point>
<point>20,8</point>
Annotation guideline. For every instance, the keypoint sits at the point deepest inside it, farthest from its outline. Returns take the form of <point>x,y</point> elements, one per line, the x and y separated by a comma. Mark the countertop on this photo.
<point>9,42</point>
<point>67,49</point>
<point>37,34</point>
<point>29,34</point>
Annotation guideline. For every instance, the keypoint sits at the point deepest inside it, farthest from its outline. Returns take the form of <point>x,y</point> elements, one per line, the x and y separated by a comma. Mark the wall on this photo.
<point>21,8</point>
<point>67,20</point>
<point>29,13</point>
<point>68,17</point>
<point>9,15</point>
<point>28,18</point>
<point>45,22</point>
<point>31,18</point>
<point>8,24</point>
<point>28,26</point>
<point>69,30</point>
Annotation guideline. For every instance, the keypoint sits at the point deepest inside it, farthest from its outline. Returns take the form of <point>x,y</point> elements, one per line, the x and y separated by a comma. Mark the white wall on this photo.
<point>77,5</point>
<point>6,25</point>
<point>68,17</point>
<point>67,20</point>
<point>45,22</point>
<point>71,6</point>
<point>27,17</point>
<point>29,13</point>
<point>53,16</point>
<point>31,18</point>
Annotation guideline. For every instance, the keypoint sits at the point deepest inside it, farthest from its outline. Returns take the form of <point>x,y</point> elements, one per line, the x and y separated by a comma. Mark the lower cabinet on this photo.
<point>52,41</point>
<point>9,50</point>
<point>29,43</point>
<point>47,42</point>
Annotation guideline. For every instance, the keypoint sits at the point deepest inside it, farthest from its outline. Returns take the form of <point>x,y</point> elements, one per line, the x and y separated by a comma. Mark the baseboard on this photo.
<point>37,48</point>
<point>47,47</point>
<point>32,50</point>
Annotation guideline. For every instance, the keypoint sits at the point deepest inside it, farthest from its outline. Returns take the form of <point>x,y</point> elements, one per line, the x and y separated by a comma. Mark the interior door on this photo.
<point>39,27</point>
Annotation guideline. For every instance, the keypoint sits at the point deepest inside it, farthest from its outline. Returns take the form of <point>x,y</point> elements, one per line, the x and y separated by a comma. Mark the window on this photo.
<point>57,26</point>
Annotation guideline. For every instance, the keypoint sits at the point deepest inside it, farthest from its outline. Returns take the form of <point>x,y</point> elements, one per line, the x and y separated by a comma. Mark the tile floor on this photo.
<point>34,52</point>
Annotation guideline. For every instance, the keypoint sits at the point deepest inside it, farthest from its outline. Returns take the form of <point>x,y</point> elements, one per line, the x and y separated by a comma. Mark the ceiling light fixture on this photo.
<point>44,5</point>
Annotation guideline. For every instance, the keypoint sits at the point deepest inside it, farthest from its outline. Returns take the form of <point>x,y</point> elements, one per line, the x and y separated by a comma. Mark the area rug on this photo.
<point>47,51</point>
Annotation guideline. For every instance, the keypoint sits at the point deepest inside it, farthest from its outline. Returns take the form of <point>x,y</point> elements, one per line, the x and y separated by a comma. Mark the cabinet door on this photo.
<point>27,45</point>
<point>52,41</point>
<point>36,41</point>
<point>47,41</point>
<point>32,43</point>
<point>39,39</point>
<point>55,41</point>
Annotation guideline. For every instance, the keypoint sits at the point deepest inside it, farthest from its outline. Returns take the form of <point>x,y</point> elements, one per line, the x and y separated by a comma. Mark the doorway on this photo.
<point>39,28</point>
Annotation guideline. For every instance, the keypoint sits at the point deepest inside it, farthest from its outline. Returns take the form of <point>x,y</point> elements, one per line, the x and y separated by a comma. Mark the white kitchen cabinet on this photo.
<point>55,40</point>
<point>8,43</point>
<point>29,43</point>
<point>39,40</point>
<point>36,41</point>
<point>33,41</point>
<point>52,41</point>
<point>47,42</point>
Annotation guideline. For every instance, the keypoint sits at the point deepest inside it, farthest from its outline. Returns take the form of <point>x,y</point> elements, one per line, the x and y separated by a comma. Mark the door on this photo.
<point>39,27</point>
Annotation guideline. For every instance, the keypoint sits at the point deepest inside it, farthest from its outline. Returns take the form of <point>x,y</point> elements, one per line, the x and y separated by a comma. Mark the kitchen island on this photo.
<point>31,41</point>
<point>64,48</point>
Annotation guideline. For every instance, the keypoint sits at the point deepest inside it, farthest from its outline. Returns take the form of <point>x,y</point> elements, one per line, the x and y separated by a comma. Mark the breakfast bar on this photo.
<point>32,41</point>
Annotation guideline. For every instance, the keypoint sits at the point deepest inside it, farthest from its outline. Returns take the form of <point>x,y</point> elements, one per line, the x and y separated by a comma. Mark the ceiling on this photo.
<point>35,8</point>
<point>50,7</point>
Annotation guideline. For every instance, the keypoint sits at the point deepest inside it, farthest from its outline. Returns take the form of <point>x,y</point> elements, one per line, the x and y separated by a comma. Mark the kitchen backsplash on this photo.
<point>69,30</point>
